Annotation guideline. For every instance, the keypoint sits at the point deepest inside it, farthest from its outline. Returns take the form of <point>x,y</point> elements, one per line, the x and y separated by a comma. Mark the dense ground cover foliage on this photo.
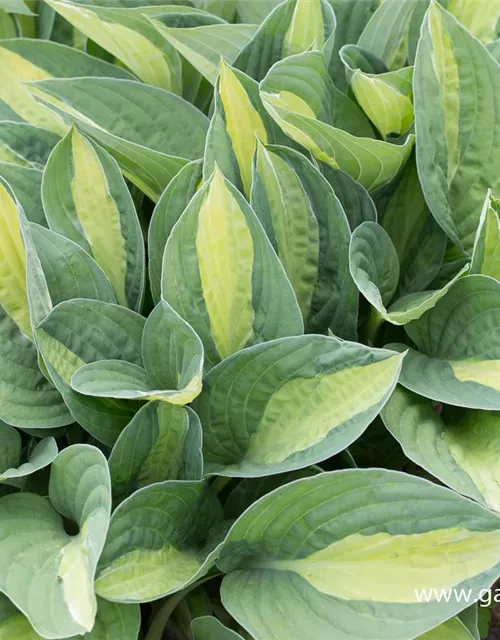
<point>249,319</point>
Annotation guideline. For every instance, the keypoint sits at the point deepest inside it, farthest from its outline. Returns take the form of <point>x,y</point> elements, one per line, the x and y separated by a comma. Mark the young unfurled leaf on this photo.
<point>320,545</point>
<point>27,399</point>
<point>158,542</point>
<point>161,442</point>
<point>374,265</point>
<point>386,98</point>
<point>451,69</point>
<point>293,26</point>
<point>300,97</point>
<point>459,451</point>
<point>309,230</point>
<point>218,254</point>
<point>170,206</point>
<point>35,548</point>
<point>86,199</point>
<point>172,355</point>
<point>458,355</point>
<point>24,60</point>
<point>77,332</point>
<point>25,145</point>
<point>204,46</point>
<point>294,402</point>
<point>239,121</point>
<point>486,252</point>
<point>150,132</point>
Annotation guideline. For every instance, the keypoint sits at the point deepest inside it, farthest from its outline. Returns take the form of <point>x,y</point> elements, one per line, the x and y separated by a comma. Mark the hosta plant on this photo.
<point>249,319</point>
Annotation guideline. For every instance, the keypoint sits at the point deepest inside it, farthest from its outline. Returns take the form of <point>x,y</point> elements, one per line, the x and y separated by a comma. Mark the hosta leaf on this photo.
<point>451,69</point>
<point>299,96</point>
<point>170,206</point>
<point>85,198</point>
<point>203,46</point>
<point>458,347</point>
<point>479,17</point>
<point>26,184</point>
<point>150,132</point>
<point>255,12</point>
<point>25,145</point>
<point>77,332</point>
<point>16,6</point>
<point>419,241</point>
<point>459,451</point>
<point>375,269</point>
<point>351,18</point>
<point>8,25</point>
<point>113,622</point>
<point>157,542</point>
<point>12,472</point>
<point>224,9</point>
<point>453,629</point>
<point>386,98</point>
<point>309,230</point>
<point>209,628</point>
<point>354,198</point>
<point>335,554</point>
<point>172,354</point>
<point>27,399</point>
<point>486,252</point>
<point>386,34</point>
<point>37,556</point>
<point>294,402</point>
<point>293,26</point>
<point>127,34</point>
<point>218,255</point>
<point>161,442</point>
<point>23,60</point>
<point>239,121</point>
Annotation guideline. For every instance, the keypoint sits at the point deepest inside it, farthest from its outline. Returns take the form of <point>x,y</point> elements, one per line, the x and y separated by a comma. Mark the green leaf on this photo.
<point>330,556</point>
<point>27,399</point>
<point>13,472</point>
<point>310,233</point>
<point>25,145</point>
<point>292,27</point>
<point>38,556</point>
<point>302,100</point>
<point>458,450</point>
<point>16,6</point>
<point>26,184</point>
<point>486,251</point>
<point>127,34</point>
<point>77,332</point>
<point>374,266</point>
<point>113,622</point>
<point>386,34</point>
<point>209,628</point>
<point>458,347</point>
<point>453,629</point>
<point>354,198</point>
<point>218,254</point>
<point>419,241</point>
<point>150,132</point>
<point>480,18</point>
<point>203,46</point>
<point>255,12</point>
<point>23,60</point>
<point>172,354</point>
<point>85,198</point>
<point>170,206</point>
<point>290,403</point>
<point>239,121</point>
<point>386,98</point>
<point>157,542</point>
<point>451,69</point>
<point>161,442</point>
